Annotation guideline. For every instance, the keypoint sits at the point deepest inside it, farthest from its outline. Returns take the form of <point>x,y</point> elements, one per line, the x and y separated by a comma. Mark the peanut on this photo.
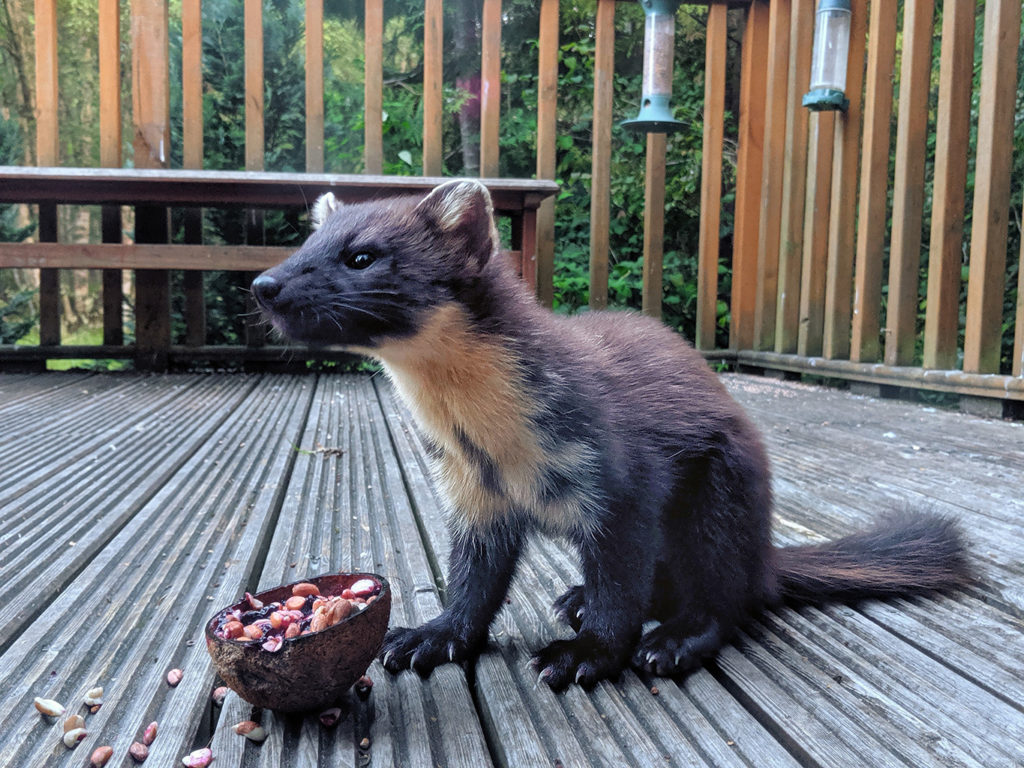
<point>138,751</point>
<point>199,758</point>
<point>295,603</point>
<point>49,707</point>
<point>75,735</point>
<point>330,717</point>
<point>304,612</point>
<point>174,677</point>
<point>94,696</point>
<point>305,588</point>
<point>252,730</point>
<point>100,756</point>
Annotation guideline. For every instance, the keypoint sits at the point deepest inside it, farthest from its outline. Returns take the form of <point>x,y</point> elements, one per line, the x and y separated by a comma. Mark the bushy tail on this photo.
<point>905,553</point>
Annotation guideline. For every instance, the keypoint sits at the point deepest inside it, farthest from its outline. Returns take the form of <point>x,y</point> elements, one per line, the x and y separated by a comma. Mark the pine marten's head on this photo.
<point>375,271</point>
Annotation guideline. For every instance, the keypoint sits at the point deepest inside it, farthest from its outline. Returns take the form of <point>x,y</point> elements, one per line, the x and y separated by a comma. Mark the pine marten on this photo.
<point>606,428</point>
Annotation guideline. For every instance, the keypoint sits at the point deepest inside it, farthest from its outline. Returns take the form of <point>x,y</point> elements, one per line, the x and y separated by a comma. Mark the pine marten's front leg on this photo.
<point>480,569</point>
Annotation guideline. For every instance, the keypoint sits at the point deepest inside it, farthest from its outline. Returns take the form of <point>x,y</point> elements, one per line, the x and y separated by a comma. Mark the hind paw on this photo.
<point>666,651</point>
<point>582,660</point>
<point>570,607</point>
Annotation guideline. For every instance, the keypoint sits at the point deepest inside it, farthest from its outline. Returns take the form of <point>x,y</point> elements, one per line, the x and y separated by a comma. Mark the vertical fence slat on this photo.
<point>1018,323</point>
<point>874,181</point>
<point>753,79</point>
<point>255,146</point>
<point>151,114</point>
<point>821,130</point>
<point>110,83</point>
<point>547,97</point>
<point>952,134</point>
<point>490,88</point>
<point>772,173</point>
<point>794,178</point>
<point>654,223</point>
<point>433,52</point>
<point>47,153</point>
<point>908,183</point>
<point>711,174</point>
<point>373,87</point>
<point>47,149</point>
<point>192,83</point>
<point>254,138</point>
<point>843,219</point>
<point>192,156</point>
<point>109,44</point>
<point>315,85</point>
<point>601,153</point>
<point>986,280</point>
<point>150,87</point>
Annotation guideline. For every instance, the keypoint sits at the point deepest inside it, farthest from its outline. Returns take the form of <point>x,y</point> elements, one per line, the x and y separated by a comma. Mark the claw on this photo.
<point>545,674</point>
<point>451,651</point>
<point>386,659</point>
<point>580,671</point>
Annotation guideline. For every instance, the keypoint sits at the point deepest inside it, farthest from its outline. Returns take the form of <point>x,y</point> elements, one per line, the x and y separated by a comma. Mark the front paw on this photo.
<point>423,648</point>
<point>570,606</point>
<point>583,660</point>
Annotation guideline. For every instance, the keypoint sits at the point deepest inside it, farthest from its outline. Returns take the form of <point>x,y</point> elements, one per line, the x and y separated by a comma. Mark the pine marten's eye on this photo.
<point>359,260</point>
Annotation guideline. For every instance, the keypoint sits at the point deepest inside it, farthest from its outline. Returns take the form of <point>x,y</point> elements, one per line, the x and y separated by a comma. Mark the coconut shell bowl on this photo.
<point>308,666</point>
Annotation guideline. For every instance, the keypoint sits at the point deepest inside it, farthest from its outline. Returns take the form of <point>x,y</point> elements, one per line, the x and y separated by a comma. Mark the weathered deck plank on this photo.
<point>137,607</point>
<point>182,491</point>
<point>346,508</point>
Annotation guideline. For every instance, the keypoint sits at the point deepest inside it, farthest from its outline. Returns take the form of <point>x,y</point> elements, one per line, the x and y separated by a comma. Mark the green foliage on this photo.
<point>18,314</point>
<point>573,156</point>
<point>10,154</point>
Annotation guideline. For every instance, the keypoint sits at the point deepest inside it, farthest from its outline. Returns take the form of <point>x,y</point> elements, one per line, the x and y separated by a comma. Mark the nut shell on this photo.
<point>310,671</point>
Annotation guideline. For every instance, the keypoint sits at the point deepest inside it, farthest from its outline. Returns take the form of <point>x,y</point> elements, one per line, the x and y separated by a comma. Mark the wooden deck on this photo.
<point>132,507</point>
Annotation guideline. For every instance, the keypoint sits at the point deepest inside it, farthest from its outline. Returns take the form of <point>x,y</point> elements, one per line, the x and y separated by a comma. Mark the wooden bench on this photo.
<point>152,192</point>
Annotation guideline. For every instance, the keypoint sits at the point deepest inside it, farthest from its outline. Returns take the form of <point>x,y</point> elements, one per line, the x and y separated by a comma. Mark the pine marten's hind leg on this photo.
<point>678,645</point>
<point>617,579</point>
<point>711,571</point>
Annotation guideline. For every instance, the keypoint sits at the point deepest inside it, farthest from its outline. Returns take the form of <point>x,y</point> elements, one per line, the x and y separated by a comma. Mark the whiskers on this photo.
<point>372,303</point>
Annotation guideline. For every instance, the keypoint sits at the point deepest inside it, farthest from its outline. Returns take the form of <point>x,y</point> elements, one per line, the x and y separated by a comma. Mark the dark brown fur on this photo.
<point>607,429</point>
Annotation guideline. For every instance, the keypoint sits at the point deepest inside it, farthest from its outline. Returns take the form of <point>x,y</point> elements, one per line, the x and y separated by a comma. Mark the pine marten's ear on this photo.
<point>463,211</point>
<point>324,206</point>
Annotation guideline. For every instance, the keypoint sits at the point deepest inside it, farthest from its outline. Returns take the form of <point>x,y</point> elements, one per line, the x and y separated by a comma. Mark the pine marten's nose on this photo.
<point>266,288</point>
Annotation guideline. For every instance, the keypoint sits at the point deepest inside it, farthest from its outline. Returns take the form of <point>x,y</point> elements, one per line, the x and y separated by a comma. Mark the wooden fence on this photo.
<point>811,235</point>
<point>812,232</point>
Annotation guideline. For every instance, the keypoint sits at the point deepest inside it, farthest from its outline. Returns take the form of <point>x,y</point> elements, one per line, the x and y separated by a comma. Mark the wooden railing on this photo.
<point>812,220</point>
<point>151,192</point>
<point>812,233</point>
